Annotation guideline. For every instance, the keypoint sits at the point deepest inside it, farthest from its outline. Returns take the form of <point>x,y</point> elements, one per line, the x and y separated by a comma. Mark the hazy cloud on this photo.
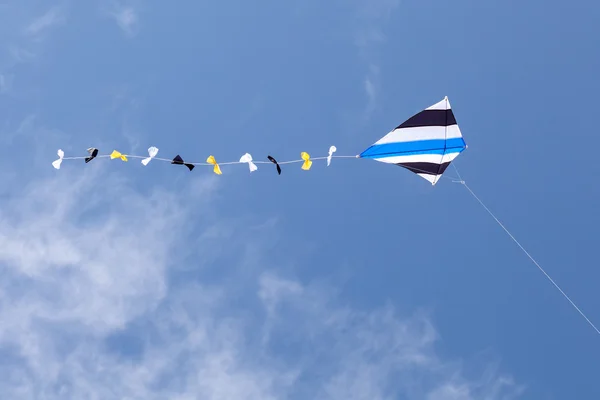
<point>52,17</point>
<point>372,18</point>
<point>126,15</point>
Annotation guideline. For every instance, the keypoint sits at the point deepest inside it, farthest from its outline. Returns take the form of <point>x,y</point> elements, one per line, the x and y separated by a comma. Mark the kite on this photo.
<point>425,144</point>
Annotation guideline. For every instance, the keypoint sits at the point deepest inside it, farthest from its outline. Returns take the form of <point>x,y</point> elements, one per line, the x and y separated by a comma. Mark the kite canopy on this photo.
<point>425,144</point>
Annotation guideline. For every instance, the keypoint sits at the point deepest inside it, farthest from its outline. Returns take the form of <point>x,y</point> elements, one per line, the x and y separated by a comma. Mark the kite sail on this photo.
<point>425,144</point>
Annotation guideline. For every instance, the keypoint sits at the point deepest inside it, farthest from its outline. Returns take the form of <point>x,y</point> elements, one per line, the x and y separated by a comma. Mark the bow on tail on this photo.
<point>274,161</point>
<point>93,153</point>
<point>332,150</point>
<point>216,169</point>
<point>56,163</point>
<point>179,161</point>
<point>247,158</point>
<point>116,154</point>
<point>307,161</point>
<point>152,152</point>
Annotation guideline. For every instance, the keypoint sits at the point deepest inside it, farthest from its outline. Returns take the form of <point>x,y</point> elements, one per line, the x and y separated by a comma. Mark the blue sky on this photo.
<point>358,280</point>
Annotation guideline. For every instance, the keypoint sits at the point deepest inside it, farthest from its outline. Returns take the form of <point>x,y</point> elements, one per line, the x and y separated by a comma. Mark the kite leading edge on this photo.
<point>425,144</point>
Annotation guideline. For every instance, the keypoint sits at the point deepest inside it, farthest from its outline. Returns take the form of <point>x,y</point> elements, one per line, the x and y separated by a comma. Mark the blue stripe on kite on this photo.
<point>414,153</point>
<point>435,146</point>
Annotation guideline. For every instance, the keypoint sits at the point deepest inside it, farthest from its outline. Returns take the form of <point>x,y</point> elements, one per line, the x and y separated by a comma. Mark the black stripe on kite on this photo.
<point>274,161</point>
<point>179,161</point>
<point>430,118</point>
<point>425,167</point>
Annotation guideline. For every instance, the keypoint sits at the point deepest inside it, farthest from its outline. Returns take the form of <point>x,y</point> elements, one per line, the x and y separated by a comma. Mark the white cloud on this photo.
<point>368,354</point>
<point>24,29</point>
<point>52,17</point>
<point>372,18</point>
<point>79,271</point>
<point>92,307</point>
<point>20,55</point>
<point>126,15</point>
<point>4,83</point>
<point>371,85</point>
<point>127,19</point>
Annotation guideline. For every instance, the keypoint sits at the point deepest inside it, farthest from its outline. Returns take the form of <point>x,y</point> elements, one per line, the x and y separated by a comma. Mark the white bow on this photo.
<point>61,154</point>
<point>247,158</point>
<point>332,150</point>
<point>152,151</point>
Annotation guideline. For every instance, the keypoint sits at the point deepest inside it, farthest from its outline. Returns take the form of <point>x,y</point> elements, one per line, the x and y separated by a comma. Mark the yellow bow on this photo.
<point>116,154</point>
<point>307,162</point>
<point>216,169</point>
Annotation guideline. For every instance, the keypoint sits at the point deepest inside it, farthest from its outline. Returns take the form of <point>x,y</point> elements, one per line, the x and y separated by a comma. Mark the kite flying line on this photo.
<point>462,182</point>
<point>425,144</point>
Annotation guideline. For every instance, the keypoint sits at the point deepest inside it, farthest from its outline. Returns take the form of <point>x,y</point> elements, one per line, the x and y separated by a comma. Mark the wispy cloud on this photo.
<point>127,19</point>
<point>371,84</point>
<point>127,104</point>
<point>5,82</point>
<point>24,29</point>
<point>374,354</point>
<point>19,54</point>
<point>372,17</point>
<point>126,15</point>
<point>95,305</point>
<point>29,133</point>
<point>52,17</point>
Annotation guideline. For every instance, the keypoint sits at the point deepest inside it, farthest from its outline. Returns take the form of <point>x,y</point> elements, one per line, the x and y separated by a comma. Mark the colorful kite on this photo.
<point>425,144</point>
